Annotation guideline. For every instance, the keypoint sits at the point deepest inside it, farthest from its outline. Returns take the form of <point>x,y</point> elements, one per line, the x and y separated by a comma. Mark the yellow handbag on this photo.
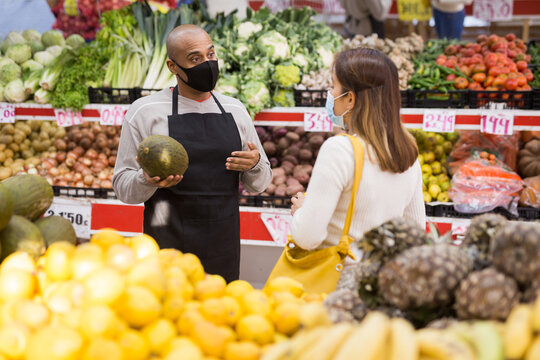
<point>319,270</point>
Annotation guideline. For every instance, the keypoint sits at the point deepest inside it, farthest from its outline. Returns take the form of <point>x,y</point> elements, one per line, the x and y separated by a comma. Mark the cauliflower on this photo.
<point>286,76</point>
<point>241,49</point>
<point>227,85</point>
<point>257,70</point>
<point>283,97</point>
<point>274,45</point>
<point>325,56</point>
<point>45,58</point>
<point>301,61</point>
<point>256,95</point>
<point>247,28</point>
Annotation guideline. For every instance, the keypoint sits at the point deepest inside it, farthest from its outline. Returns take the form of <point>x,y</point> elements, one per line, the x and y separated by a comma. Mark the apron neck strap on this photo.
<point>175,102</point>
<point>218,103</point>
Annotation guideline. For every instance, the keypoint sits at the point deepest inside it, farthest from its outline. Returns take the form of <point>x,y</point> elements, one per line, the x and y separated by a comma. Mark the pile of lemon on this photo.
<point>119,298</point>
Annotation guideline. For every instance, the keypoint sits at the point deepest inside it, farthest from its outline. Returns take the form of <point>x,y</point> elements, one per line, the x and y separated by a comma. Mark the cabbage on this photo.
<point>5,60</point>
<point>52,37</point>
<point>75,41</point>
<point>247,28</point>
<point>30,66</point>
<point>14,91</point>
<point>55,50</point>
<point>19,53</point>
<point>45,58</point>
<point>10,72</point>
<point>31,35</point>
<point>36,46</point>
<point>2,98</point>
<point>274,45</point>
<point>13,38</point>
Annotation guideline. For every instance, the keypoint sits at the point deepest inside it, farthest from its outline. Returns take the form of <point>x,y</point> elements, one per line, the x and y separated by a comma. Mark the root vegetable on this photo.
<point>274,162</point>
<point>283,144</point>
<point>271,189</point>
<point>316,141</point>
<point>279,132</point>
<point>288,167</point>
<point>305,155</point>
<point>292,136</point>
<point>291,159</point>
<point>281,190</point>
<point>301,174</point>
<point>269,148</point>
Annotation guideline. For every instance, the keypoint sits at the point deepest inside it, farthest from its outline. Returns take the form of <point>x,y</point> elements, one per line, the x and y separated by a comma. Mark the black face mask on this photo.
<point>202,77</point>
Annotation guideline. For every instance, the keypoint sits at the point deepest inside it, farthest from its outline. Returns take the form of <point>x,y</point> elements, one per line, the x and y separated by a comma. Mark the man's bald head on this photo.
<point>183,37</point>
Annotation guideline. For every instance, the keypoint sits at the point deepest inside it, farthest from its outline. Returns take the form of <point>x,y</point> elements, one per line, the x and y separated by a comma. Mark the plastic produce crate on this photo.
<point>312,98</point>
<point>265,201</point>
<point>525,213</point>
<point>139,92</point>
<point>479,99</point>
<point>111,95</point>
<point>84,192</point>
<point>536,99</point>
<point>454,99</point>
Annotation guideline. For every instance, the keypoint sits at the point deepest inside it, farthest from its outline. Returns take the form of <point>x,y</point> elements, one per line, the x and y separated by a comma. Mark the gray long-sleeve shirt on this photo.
<point>149,116</point>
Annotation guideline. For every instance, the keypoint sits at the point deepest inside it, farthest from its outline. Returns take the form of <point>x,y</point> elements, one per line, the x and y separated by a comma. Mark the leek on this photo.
<point>31,84</point>
<point>42,96</point>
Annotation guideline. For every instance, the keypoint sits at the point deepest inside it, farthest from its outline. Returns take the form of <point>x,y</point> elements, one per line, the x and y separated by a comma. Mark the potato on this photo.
<point>305,155</point>
<point>269,148</point>
<point>292,136</point>
<point>288,167</point>
<point>291,159</point>
<point>271,189</point>
<point>316,141</point>
<point>278,172</point>
<point>281,190</point>
<point>5,172</point>
<point>301,174</point>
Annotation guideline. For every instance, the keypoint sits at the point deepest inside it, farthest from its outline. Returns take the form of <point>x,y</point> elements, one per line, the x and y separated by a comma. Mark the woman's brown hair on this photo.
<point>373,78</point>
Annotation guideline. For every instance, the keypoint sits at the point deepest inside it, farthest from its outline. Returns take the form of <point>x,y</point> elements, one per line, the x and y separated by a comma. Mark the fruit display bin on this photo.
<point>317,98</point>
<point>80,192</point>
<point>510,99</point>
<point>455,99</point>
<point>448,211</point>
<point>105,95</point>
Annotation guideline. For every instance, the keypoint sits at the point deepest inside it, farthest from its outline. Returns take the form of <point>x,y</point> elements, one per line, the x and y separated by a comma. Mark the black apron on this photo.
<point>200,215</point>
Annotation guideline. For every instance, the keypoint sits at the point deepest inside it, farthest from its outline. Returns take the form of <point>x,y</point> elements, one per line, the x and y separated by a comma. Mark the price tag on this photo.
<point>66,117</point>
<point>7,113</point>
<point>317,121</point>
<point>111,115</point>
<point>497,122</point>
<point>493,10</point>
<point>278,225</point>
<point>409,10</point>
<point>439,120</point>
<point>78,212</point>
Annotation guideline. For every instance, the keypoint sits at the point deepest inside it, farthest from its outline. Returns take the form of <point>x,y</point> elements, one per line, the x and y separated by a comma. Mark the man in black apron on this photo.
<point>201,207</point>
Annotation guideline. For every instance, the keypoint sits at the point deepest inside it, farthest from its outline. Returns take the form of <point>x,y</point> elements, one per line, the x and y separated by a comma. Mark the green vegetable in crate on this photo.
<point>286,76</point>
<point>274,45</point>
<point>56,228</point>
<point>21,235</point>
<point>32,195</point>
<point>162,156</point>
<point>6,206</point>
<point>283,97</point>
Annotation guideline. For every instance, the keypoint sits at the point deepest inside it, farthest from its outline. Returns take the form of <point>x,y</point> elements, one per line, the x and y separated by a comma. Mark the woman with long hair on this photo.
<point>364,99</point>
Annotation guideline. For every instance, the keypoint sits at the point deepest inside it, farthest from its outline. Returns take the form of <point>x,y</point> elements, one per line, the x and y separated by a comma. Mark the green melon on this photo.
<point>56,228</point>
<point>161,155</point>
<point>32,195</point>
<point>21,235</point>
<point>6,206</point>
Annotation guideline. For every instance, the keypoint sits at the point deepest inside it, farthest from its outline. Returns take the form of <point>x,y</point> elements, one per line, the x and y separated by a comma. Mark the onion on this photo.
<point>61,182</point>
<point>69,162</point>
<point>79,166</point>
<point>72,155</point>
<point>87,161</point>
<point>110,144</point>
<point>103,175</point>
<point>99,165</point>
<point>111,131</point>
<point>106,184</point>
<point>61,157</point>
<point>60,144</point>
<point>68,177</point>
<point>78,150</point>
<point>102,157</point>
<point>101,142</point>
<point>86,143</point>
<point>86,172</point>
<point>97,129</point>
<point>77,177</point>
<point>54,172</point>
<point>92,154</point>
<point>79,184</point>
<point>71,145</point>
<point>88,180</point>
<point>112,160</point>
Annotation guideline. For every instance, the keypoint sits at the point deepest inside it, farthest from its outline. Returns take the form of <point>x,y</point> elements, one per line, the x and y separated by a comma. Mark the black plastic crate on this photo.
<point>405,98</point>
<point>483,99</point>
<point>430,210</point>
<point>525,213</point>
<point>111,95</point>
<point>312,98</point>
<point>139,92</point>
<point>529,213</point>
<point>265,201</point>
<point>536,99</point>
<point>453,99</point>
<point>84,192</point>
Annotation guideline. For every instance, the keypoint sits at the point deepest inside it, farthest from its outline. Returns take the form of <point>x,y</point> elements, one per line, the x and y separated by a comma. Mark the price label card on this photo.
<point>317,121</point>
<point>439,120</point>
<point>493,10</point>
<point>497,122</point>
<point>78,212</point>
<point>111,115</point>
<point>7,113</point>
<point>278,225</point>
<point>66,117</point>
<point>409,10</point>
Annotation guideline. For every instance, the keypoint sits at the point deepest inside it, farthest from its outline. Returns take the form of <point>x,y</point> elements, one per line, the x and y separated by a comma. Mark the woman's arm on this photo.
<point>416,210</point>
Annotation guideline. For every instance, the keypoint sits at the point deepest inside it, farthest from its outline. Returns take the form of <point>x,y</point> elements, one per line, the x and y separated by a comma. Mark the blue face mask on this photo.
<point>336,119</point>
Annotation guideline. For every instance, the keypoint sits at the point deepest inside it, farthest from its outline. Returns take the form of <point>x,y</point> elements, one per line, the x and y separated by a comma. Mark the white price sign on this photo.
<point>111,115</point>
<point>493,10</point>
<point>497,122</point>
<point>317,121</point>
<point>67,117</point>
<point>7,113</point>
<point>78,212</point>
<point>439,120</point>
<point>278,225</point>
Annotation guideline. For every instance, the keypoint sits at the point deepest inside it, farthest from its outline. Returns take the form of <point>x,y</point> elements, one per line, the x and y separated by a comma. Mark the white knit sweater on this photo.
<point>381,196</point>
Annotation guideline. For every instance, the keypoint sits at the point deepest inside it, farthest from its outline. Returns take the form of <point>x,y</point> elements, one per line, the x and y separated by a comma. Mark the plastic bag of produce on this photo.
<point>530,196</point>
<point>483,183</point>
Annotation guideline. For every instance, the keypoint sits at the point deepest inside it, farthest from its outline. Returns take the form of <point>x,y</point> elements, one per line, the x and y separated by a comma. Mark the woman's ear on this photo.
<point>351,100</point>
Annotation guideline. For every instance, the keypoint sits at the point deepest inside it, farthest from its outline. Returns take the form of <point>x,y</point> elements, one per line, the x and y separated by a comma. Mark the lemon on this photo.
<point>284,284</point>
<point>238,288</point>
<point>16,284</point>
<point>19,260</point>
<point>148,273</point>
<point>159,334</point>
<point>99,321</point>
<point>242,350</point>
<point>60,297</point>
<point>13,340</point>
<point>31,313</point>
<point>104,286</point>
<point>286,318</point>
<point>134,345</point>
<point>106,237</point>
<point>54,342</point>
<point>143,245</point>
<point>256,302</point>
<point>186,322</point>
<point>312,315</point>
<point>121,257</point>
<point>86,259</point>
<point>214,310</point>
<point>167,257</point>
<point>211,338</point>
<point>178,283</point>
<point>233,310</point>
<point>283,297</point>
<point>255,328</point>
<point>58,261</point>
<point>192,267</point>
<point>183,348</point>
<point>211,287</point>
<point>100,348</point>
<point>71,318</point>
<point>312,297</point>
<point>43,281</point>
<point>173,306</point>
<point>138,306</point>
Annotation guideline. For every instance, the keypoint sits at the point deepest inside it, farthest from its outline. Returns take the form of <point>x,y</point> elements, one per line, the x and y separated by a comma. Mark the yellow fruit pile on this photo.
<point>121,298</point>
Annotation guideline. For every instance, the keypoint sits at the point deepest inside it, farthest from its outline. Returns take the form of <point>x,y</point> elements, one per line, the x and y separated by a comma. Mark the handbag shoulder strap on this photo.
<point>358,167</point>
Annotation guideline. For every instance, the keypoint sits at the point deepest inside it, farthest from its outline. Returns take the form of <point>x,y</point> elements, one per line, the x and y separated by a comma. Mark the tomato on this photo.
<point>520,57</point>
<point>522,80</point>
<point>489,81</point>
<point>461,83</point>
<point>492,39</point>
<point>492,88</point>
<point>495,71</point>
<point>500,80</point>
<point>479,77</point>
<point>511,54</point>
<point>475,86</point>
<point>512,45</point>
<point>505,70</point>
<point>520,44</point>
<point>450,50</point>
<point>490,60</point>
<point>479,68</point>
<point>510,37</point>
<point>511,84</point>
<point>521,65</point>
<point>529,76</point>
<point>468,52</point>
<point>477,48</point>
<point>450,64</point>
<point>466,70</point>
<point>513,68</point>
<point>528,58</point>
<point>451,77</point>
<point>481,38</point>
<point>440,61</point>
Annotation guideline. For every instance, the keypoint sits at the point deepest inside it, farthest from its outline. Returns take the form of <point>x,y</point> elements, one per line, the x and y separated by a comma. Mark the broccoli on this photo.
<point>283,97</point>
<point>286,76</point>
